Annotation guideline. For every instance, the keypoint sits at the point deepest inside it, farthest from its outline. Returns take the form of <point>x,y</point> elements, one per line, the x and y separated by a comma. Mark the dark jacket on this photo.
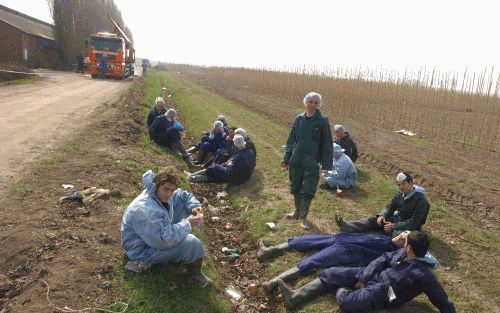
<point>153,114</point>
<point>250,144</point>
<point>408,278</point>
<point>163,132</point>
<point>309,142</point>
<point>239,171</point>
<point>409,214</point>
<point>349,146</point>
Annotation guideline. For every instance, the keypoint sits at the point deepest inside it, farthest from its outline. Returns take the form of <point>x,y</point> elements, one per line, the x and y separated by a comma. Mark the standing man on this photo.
<point>79,63</point>
<point>309,145</point>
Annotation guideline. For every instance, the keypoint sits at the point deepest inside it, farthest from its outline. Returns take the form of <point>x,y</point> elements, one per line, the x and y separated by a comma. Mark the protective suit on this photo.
<point>152,232</point>
<point>309,144</point>
<point>344,172</point>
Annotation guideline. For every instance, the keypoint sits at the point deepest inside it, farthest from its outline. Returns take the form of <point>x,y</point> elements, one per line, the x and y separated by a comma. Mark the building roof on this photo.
<point>26,24</point>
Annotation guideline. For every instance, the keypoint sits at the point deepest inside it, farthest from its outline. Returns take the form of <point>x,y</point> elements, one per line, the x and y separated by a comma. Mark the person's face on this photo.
<point>231,133</point>
<point>400,240</point>
<point>338,133</point>
<point>165,191</point>
<point>312,105</point>
<point>405,186</point>
<point>160,105</point>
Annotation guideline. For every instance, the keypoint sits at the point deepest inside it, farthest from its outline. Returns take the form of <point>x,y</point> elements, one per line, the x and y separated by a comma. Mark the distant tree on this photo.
<point>77,20</point>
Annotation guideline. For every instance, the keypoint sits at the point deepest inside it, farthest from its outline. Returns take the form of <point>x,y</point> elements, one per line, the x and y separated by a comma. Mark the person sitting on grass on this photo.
<point>157,227</point>
<point>166,131</point>
<point>214,144</point>
<point>388,282</point>
<point>230,150</point>
<point>344,249</point>
<point>343,174</point>
<point>157,110</point>
<point>343,139</point>
<point>407,211</point>
<point>237,170</point>
<point>204,136</point>
<point>250,144</point>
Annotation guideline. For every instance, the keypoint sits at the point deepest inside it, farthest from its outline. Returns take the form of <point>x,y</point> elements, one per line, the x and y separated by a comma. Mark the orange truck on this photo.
<point>115,49</point>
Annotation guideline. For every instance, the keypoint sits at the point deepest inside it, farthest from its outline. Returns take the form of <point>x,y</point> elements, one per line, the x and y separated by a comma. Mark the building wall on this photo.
<point>16,45</point>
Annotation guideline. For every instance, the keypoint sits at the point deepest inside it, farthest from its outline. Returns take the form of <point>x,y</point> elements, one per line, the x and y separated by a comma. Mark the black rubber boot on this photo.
<point>293,299</point>
<point>304,211</point>
<point>287,276</point>
<point>201,156</point>
<point>268,253</point>
<point>196,276</point>
<point>297,199</point>
<point>198,179</point>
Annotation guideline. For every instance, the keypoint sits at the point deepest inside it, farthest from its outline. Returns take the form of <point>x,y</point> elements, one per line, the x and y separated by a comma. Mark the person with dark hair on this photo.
<point>343,249</point>
<point>308,146</point>
<point>237,170</point>
<point>388,282</point>
<point>157,110</point>
<point>157,227</point>
<point>343,139</point>
<point>166,131</point>
<point>407,211</point>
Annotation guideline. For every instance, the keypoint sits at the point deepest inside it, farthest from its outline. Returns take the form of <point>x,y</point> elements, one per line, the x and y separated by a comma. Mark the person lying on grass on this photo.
<point>344,249</point>
<point>388,282</point>
<point>166,131</point>
<point>157,110</point>
<point>237,170</point>
<point>343,175</point>
<point>157,227</point>
<point>407,211</point>
<point>343,139</point>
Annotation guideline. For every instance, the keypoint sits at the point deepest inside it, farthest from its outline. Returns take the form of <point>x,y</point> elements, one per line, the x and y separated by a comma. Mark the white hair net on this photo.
<point>239,142</point>
<point>241,131</point>
<point>401,177</point>
<point>218,124</point>
<point>313,96</point>
<point>170,112</point>
<point>159,100</point>
<point>221,118</point>
<point>339,128</point>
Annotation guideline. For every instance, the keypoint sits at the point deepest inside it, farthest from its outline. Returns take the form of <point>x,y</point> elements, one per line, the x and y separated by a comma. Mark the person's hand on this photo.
<point>196,211</point>
<point>284,166</point>
<point>359,285</point>
<point>194,220</point>
<point>380,220</point>
<point>388,227</point>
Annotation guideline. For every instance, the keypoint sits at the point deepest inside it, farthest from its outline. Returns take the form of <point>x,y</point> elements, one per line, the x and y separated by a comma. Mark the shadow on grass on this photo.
<point>164,289</point>
<point>446,255</point>
<point>251,189</point>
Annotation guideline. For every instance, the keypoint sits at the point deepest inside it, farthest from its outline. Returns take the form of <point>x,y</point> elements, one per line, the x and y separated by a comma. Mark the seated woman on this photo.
<point>237,170</point>
<point>166,131</point>
<point>157,227</point>
<point>213,145</point>
<point>344,249</point>
<point>344,172</point>
<point>205,134</point>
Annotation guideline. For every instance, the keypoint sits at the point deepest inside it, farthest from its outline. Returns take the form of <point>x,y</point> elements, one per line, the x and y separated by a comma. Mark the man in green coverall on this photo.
<point>309,145</point>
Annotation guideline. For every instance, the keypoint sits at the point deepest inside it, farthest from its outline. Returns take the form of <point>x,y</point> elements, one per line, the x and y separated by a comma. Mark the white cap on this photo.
<point>218,124</point>
<point>401,177</point>
<point>241,131</point>
<point>239,142</point>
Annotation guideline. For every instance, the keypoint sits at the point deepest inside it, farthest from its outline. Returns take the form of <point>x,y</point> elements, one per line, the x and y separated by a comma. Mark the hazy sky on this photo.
<point>276,33</point>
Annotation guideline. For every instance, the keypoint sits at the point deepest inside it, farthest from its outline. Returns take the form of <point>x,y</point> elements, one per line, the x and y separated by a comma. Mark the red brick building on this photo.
<point>26,40</point>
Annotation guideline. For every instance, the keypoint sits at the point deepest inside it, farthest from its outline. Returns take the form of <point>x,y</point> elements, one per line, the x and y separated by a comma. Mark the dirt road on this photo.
<point>34,118</point>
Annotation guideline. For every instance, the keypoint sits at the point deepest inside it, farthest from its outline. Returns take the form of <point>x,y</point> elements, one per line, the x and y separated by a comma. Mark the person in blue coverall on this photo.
<point>388,282</point>
<point>343,174</point>
<point>344,249</point>
<point>157,227</point>
<point>237,170</point>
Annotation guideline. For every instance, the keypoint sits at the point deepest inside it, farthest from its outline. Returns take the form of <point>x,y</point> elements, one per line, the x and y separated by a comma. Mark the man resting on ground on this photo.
<point>237,170</point>
<point>157,225</point>
<point>343,174</point>
<point>407,211</point>
<point>388,282</point>
<point>157,110</point>
<point>344,249</point>
<point>213,145</point>
<point>343,139</point>
<point>166,131</point>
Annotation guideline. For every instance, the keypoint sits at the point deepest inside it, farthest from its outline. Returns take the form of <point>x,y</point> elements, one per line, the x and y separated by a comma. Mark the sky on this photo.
<point>276,33</point>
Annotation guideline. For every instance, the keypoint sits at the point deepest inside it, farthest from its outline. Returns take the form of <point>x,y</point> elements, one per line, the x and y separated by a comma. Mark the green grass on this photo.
<point>420,142</point>
<point>163,289</point>
<point>71,146</point>
<point>265,198</point>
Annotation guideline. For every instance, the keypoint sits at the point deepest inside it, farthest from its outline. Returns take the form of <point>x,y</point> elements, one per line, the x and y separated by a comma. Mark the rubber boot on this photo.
<point>293,299</point>
<point>192,150</point>
<point>268,253</point>
<point>195,275</point>
<point>287,276</point>
<point>304,211</point>
<point>198,179</point>
<point>190,164</point>
<point>297,199</point>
